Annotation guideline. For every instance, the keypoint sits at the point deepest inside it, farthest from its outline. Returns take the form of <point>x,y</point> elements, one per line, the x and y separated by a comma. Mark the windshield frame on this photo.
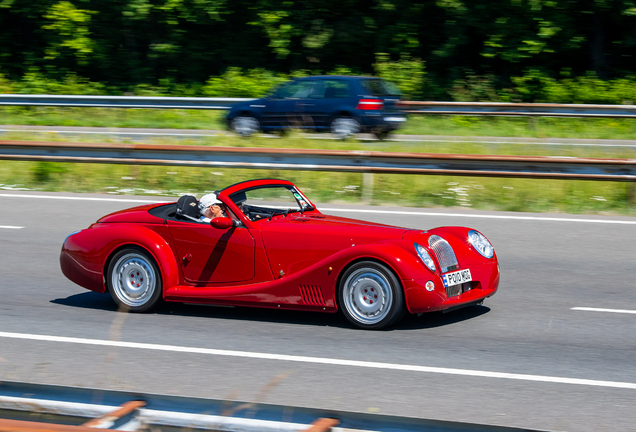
<point>267,212</point>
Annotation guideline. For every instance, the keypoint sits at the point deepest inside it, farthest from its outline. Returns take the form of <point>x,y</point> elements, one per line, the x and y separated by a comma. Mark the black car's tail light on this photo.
<point>370,104</point>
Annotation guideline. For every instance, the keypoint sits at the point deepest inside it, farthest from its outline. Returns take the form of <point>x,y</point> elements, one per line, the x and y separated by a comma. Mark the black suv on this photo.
<point>344,105</point>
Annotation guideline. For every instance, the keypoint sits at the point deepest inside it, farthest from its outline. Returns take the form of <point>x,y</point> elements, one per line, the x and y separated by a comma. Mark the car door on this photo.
<point>210,255</point>
<point>288,104</point>
<point>328,97</point>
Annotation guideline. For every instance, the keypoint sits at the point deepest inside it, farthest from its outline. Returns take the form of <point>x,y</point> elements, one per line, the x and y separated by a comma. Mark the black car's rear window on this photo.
<point>380,88</point>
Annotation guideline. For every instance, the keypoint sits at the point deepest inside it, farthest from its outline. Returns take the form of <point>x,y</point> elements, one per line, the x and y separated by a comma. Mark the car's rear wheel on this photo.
<point>344,127</point>
<point>245,126</point>
<point>134,281</point>
<point>371,296</point>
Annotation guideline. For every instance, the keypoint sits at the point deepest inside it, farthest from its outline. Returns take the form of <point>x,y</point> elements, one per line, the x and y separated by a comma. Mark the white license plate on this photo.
<point>395,119</point>
<point>456,278</point>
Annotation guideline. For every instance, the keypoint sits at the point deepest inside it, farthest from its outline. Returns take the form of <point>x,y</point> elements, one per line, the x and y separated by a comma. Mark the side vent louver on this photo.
<point>312,295</point>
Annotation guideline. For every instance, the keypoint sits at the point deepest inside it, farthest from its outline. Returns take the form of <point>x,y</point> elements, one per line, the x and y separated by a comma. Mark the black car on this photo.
<point>343,105</point>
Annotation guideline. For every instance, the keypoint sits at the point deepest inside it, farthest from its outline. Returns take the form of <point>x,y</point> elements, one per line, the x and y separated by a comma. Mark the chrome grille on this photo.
<point>444,252</point>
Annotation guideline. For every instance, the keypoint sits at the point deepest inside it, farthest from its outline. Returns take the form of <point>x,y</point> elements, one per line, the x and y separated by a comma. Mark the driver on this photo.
<point>210,207</point>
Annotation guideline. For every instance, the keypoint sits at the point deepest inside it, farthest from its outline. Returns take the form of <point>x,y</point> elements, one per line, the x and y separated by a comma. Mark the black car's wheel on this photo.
<point>381,135</point>
<point>344,127</point>
<point>133,280</point>
<point>371,296</point>
<point>245,126</point>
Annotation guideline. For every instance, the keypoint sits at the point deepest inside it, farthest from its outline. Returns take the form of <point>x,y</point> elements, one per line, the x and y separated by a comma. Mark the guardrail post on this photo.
<point>323,425</point>
<point>367,187</point>
<point>631,191</point>
<point>108,420</point>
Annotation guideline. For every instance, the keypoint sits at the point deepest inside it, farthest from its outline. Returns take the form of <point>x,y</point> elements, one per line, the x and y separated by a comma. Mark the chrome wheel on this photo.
<point>344,127</point>
<point>134,280</point>
<point>245,126</point>
<point>367,296</point>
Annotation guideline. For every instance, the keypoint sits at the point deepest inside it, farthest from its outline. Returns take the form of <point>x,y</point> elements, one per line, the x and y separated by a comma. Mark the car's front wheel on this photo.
<point>245,126</point>
<point>344,127</point>
<point>371,296</point>
<point>134,281</point>
<point>381,135</point>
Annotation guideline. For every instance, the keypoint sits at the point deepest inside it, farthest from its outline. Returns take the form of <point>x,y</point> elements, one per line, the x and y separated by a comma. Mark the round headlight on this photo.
<point>424,255</point>
<point>481,243</point>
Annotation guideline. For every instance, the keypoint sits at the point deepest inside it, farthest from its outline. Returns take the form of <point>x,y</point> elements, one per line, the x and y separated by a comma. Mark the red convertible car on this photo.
<point>276,250</point>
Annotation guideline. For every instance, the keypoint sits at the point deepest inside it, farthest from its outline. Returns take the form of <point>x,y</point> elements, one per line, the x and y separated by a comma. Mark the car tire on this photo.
<point>134,280</point>
<point>370,296</point>
<point>245,126</point>
<point>382,135</point>
<point>344,127</point>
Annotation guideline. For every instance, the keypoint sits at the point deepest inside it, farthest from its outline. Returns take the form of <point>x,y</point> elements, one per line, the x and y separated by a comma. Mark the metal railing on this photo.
<point>145,102</point>
<point>411,107</point>
<point>118,410</point>
<point>548,167</point>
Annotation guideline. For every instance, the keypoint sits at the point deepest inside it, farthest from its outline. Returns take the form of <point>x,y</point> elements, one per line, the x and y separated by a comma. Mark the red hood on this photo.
<point>337,223</point>
<point>298,241</point>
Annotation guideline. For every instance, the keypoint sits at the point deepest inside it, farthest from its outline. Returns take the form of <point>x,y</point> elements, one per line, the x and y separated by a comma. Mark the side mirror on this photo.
<point>223,223</point>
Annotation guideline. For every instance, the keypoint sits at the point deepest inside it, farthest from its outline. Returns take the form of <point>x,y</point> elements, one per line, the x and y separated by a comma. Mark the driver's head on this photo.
<point>210,206</point>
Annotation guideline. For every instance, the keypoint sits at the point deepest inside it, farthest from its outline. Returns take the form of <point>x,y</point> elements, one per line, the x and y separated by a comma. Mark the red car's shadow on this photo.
<point>91,300</point>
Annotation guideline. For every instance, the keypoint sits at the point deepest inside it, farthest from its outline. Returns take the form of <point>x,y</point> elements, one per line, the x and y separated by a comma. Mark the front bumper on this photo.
<point>485,284</point>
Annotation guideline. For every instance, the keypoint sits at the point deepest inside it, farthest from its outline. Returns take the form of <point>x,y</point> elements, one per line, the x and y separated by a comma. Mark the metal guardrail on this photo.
<point>411,107</point>
<point>117,410</point>
<point>547,167</point>
<point>519,109</point>
<point>145,102</point>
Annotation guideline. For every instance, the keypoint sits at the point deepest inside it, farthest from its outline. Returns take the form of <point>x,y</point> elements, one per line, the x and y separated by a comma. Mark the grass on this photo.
<point>564,196</point>
<point>300,140</point>
<point>531,127</point>
<point>538,127</point>
<point>560,196</point>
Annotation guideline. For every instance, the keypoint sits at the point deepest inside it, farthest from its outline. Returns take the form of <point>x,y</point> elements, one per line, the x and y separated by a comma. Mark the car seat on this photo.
<point>188,208</point>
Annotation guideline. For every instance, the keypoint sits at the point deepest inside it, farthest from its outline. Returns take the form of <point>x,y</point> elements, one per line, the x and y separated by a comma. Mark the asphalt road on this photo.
<point>570,364</point>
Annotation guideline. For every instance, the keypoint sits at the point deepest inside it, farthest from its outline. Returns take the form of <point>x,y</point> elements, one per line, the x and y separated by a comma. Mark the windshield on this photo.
<point>378,87</point>
<point>268,201</point>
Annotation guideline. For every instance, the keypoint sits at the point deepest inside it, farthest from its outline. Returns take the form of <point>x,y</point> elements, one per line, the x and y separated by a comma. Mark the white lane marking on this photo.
<point>86,198</point>
<point>10,227</point>
<point>481,216</point>
<point>171,199</point>
<point>589,309</point>
<point>321,360</point>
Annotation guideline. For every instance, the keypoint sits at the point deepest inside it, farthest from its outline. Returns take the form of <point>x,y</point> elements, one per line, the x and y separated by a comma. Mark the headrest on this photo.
<point>187,207</point>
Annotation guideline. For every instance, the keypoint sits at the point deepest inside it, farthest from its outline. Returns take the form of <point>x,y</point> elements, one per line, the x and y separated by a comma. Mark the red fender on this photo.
<point>85,255</point>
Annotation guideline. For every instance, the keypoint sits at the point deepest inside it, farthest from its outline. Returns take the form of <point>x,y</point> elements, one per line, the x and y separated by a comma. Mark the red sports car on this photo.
<point>276,250</point>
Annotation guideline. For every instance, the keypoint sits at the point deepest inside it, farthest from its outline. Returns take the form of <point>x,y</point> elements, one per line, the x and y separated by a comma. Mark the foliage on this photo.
<point>236,83</point>
<point>69,31</point>
<point>504,50</point>
<point>407,73</point>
